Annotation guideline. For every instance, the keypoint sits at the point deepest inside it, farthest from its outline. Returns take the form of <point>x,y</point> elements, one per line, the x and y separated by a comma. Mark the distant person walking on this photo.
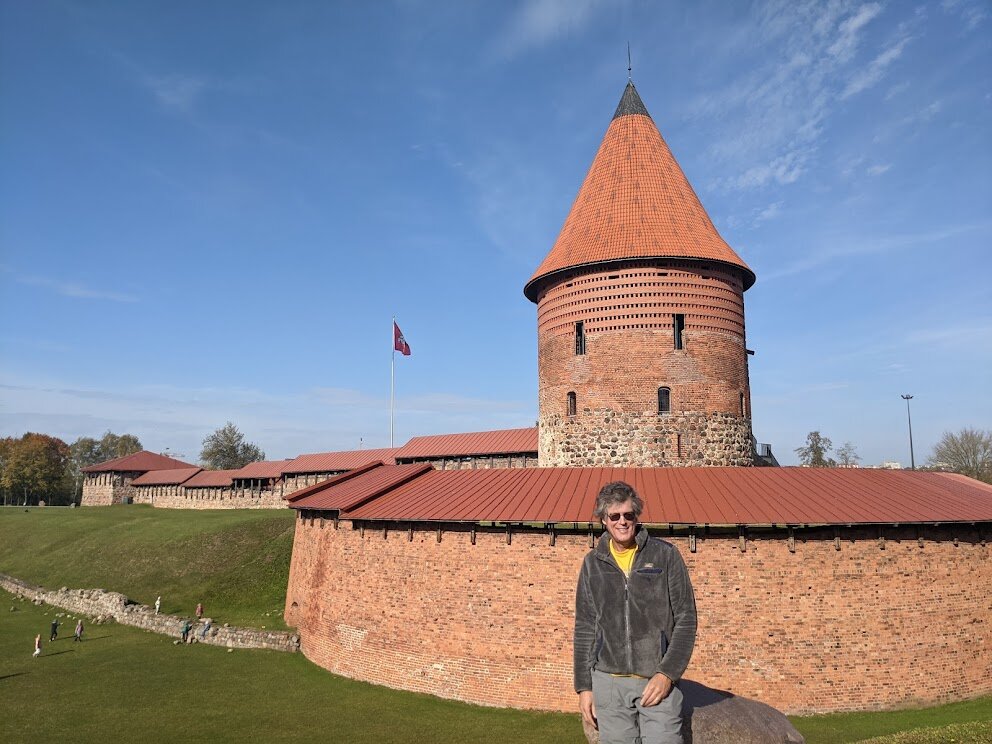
<point>37,645</point>
<point>199,610</point>
<point>55,630</point>
<point>205,629</point>
<point>158,603</point>
<point>187,625</point>
<point>79,631</point>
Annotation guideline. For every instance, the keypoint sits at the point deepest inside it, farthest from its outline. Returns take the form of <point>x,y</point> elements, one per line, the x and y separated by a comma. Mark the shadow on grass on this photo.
<point>8,676</point>
<point>58,653</point>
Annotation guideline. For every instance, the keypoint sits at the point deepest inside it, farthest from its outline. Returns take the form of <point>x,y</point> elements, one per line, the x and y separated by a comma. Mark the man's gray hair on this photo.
<point>616,493</point>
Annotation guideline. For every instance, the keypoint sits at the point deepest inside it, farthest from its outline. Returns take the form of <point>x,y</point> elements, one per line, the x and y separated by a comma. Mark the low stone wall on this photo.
<point>180,497</point>
<point>99,603</point>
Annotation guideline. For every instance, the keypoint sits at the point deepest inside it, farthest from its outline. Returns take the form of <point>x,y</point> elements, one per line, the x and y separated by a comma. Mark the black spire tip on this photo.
<point>630,103</point>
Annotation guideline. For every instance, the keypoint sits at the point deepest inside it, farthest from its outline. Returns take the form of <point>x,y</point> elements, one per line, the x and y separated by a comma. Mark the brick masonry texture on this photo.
<point>815,630</point>
<point>628,316</point>
<point>99,603</point>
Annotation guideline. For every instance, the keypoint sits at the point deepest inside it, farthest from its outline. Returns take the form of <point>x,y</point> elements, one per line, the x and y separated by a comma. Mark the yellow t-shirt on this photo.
<point>624,558</point>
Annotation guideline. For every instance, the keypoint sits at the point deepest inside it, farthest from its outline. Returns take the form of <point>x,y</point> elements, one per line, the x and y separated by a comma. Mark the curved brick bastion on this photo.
<point>854,618</point>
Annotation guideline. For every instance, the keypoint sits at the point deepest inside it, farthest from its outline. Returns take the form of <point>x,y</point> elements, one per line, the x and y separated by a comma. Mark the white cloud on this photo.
<point>972,12</point>
<point>773,115</point>
<point>178,92</point>
<point>782,170</point>
<point>538,22</point>
<point>839,247</point>
<point>877,170</point>
<point>283,425</point>
<point>846,43</point>
<point>75,290</point>
<point>875,70</point>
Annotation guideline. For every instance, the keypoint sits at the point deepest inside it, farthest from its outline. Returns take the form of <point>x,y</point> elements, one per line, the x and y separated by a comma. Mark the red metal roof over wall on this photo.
<point>165,477</point>
<point>211,479</point>
<point>719,496</point>
<point>137,463</point>
<point>345,492</point>
<point>265,469</point>
<point>330,462</point>
<point>502,442</point>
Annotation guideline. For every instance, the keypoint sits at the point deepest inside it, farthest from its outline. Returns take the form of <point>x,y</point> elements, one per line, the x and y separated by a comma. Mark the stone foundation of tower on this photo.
<point>604,438</point>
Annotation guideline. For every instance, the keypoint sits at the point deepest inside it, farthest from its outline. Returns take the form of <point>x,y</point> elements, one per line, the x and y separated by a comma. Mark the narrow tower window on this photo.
<point>580,338</point>
<point>664,400</point>
<point>571,404</point>
<point>743,413</point>
<point>678,320</point>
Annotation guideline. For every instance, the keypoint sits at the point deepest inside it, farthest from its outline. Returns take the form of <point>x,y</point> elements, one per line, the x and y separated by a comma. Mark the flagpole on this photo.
<point>392,377</point>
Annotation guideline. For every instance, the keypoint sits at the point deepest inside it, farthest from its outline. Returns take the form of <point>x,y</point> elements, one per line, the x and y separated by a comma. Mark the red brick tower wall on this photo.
<point>630,352</point>
<point>857,624</point>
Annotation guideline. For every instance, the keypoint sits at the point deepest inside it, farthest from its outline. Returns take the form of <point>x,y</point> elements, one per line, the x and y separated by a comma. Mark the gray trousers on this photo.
<point>623,720</point>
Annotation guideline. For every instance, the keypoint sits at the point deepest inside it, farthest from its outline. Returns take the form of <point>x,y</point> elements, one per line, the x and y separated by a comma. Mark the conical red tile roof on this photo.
<point>635,203</point>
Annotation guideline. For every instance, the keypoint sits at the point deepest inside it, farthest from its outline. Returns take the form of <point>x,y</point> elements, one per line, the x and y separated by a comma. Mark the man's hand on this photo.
<point>656,690</point>
<point>587,706</point>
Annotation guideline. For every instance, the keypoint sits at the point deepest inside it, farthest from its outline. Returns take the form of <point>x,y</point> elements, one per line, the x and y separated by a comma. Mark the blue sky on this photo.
<point>209,211</point>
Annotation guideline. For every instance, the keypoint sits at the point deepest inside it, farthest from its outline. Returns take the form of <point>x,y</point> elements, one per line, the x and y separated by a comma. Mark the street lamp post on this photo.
<point>909,418</point>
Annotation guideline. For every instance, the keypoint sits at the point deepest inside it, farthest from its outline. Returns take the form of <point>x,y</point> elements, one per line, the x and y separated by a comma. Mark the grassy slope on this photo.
<point>123,684</point>
<point>235,561</point>
<point>927,723</point>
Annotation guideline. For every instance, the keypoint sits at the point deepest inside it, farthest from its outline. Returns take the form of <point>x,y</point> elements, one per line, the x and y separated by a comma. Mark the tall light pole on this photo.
<point>909,418</point>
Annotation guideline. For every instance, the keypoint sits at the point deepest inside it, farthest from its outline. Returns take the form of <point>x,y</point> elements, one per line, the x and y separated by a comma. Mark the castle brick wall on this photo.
<point>630,352</point>
<point>873,625</point>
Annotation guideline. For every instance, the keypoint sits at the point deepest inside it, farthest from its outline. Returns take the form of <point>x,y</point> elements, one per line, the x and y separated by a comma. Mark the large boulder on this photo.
<point>718,717</point>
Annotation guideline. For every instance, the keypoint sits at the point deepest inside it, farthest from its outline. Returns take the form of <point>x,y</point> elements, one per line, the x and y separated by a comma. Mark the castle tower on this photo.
<point>640,316</point>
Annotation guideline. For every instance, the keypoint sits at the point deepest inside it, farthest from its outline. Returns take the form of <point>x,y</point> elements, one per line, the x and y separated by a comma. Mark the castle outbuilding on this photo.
<point>642,358</point>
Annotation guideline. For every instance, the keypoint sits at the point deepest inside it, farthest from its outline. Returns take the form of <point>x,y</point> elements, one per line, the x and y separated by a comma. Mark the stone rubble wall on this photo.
<point>180,497</point>
<point>101,605</point>
<point>481,462</point>
<point>603,438</point>
<point>106,489</point>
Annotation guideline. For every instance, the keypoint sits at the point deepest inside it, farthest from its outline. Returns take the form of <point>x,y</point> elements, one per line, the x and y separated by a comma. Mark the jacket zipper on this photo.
<point>626,608</point>
<point>626,621</point>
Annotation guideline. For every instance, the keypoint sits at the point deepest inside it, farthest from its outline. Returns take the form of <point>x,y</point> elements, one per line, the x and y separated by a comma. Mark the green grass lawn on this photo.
<point>969,721</point>
<point>124,684</point>
<point>234,561</point>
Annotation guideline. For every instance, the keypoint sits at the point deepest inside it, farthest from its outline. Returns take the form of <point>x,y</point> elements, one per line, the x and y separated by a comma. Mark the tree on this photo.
<point>226,449</point>
<point>848,456</point>
<point>814,454</point>
<point>88,451</point>
<point>968,452</point>
<point>113,445</point>
<point>35,467</point>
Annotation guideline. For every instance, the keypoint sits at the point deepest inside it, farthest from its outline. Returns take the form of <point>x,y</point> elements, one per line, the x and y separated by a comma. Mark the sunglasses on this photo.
<point>628,516</point>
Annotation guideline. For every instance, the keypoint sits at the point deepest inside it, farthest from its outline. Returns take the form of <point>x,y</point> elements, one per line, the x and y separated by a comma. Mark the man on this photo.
<point>55,630</point>
<point>635,627</point>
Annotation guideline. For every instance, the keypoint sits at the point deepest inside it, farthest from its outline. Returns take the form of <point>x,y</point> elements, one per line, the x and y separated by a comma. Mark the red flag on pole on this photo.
<point>399,343</point>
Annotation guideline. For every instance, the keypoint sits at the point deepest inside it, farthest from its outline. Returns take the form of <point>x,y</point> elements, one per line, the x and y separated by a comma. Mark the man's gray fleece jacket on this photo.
<point>640,625</point>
